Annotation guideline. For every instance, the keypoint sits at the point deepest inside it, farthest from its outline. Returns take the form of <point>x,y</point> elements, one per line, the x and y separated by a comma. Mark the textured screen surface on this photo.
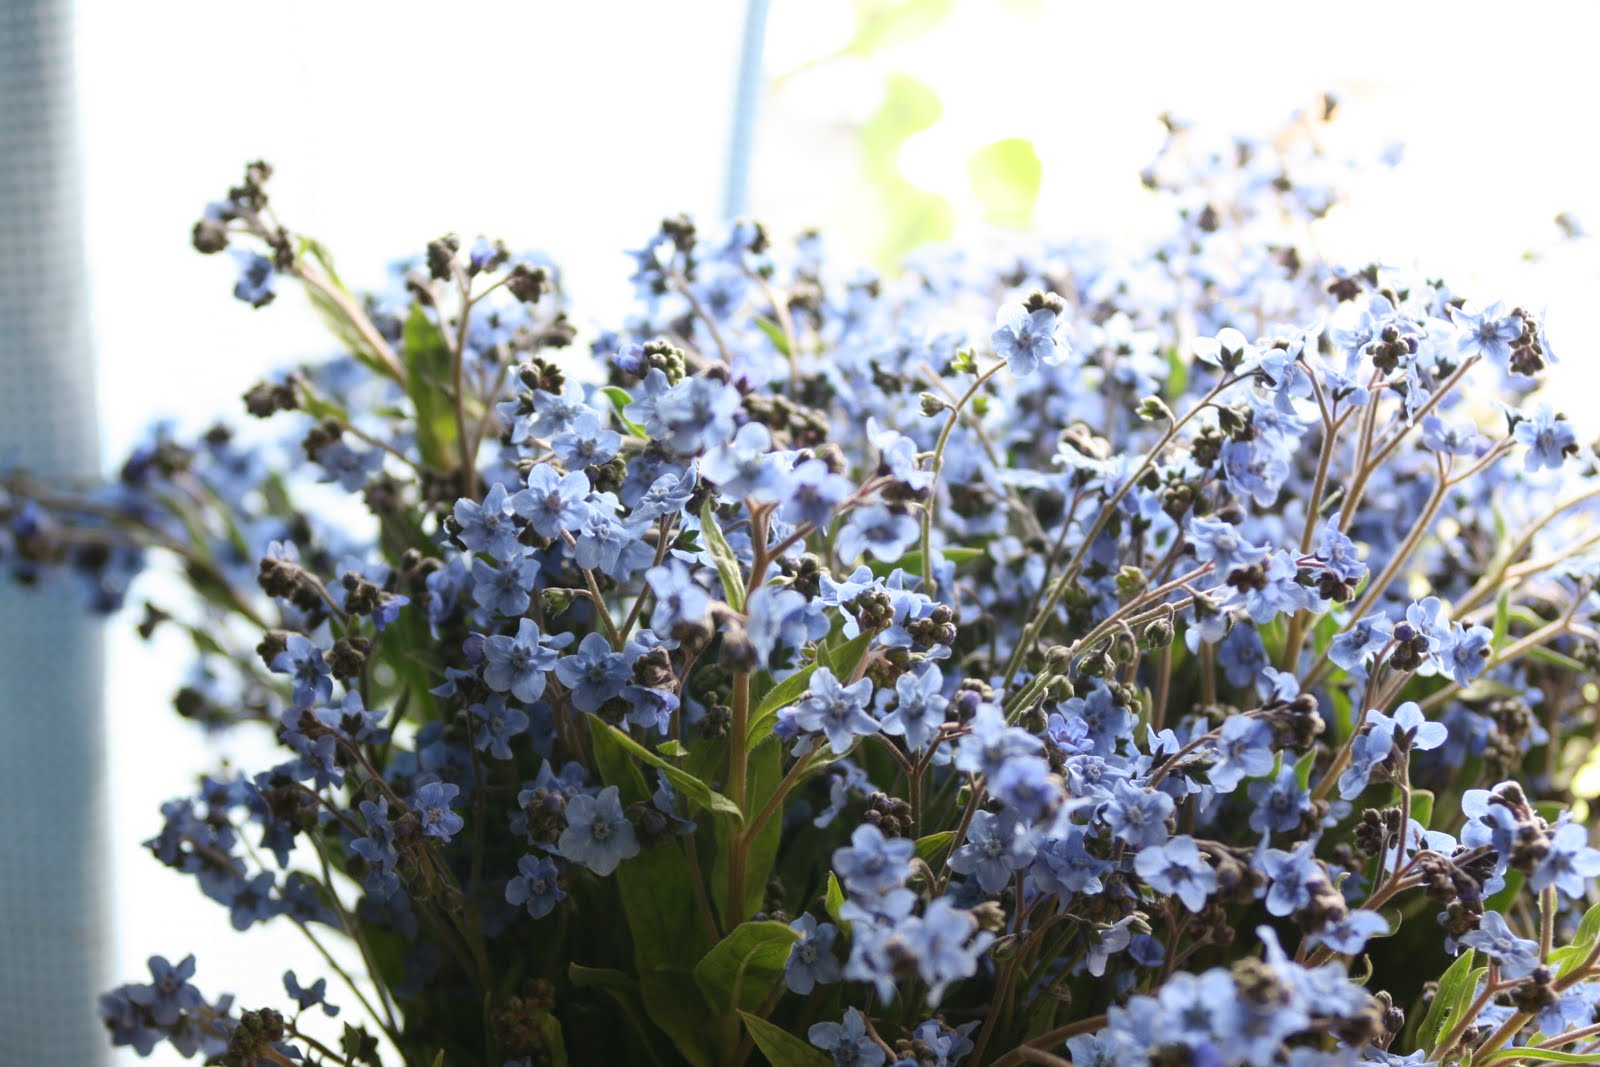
<point>53,861</point>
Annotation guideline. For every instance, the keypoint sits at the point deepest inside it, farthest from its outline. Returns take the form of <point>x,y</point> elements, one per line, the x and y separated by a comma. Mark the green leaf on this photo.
<point>664,920</point>
<point>775,334</point>
<point>1177,375</point>
<point>905,215</point>
<point>1303,766</point>
<point>620,399</point>
<point>600,978</point>
<point>722,555</point>
<point>741,971</point>
<point>929,846</point>
<point>883,24</point>
<point>844,659</point>
<point>833,901</point>
<point>911,562</point>
<point>780,1047</point>
<point>438,1061</point>
<point>693,789</point>
<point>1502,618</point>
<point>672,749</point>
<point>429,383</point>
<point>1445,1000</point>
<point>1537,1055</point>
<point>554,1044</point>
<point>1005,176</point>
<point>1551,657</point>
<point>1422,806</point>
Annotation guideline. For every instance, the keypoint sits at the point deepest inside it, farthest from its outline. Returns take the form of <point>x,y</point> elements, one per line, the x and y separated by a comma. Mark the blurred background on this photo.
<point>573,128</point>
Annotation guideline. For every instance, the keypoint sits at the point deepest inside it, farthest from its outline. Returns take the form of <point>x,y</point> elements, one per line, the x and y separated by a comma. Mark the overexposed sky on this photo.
<point>574,128</point>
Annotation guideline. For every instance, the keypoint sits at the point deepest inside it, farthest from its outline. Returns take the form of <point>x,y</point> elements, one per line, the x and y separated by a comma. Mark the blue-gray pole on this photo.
<point>746,104</point>
<point>53,855</point>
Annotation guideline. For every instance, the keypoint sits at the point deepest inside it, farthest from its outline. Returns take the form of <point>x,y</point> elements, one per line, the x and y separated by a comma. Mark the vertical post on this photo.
<point>53,854</point>
<point>746,104</point>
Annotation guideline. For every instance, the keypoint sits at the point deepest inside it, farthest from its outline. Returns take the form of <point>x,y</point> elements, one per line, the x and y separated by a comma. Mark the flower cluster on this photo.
<point>814,671</point>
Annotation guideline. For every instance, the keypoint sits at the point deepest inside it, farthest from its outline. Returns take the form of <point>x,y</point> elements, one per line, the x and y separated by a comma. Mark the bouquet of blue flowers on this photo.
<point>1192,667</point>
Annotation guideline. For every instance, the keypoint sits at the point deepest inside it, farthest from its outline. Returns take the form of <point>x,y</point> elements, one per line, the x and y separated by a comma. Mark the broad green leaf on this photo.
<point>883,24</point>
<point>620,399</point>
<point>664,920</point>
<point>1005,176</point>
<point>911,562</point>
<point>775,334</point>
<point>780,1047</point>
<point>742,969</point>
<point>1502,618</point>
<point>1537,1055</point>
<point>929,846</point>
<point>1445,999</point>
<point>906,216</point>
<point>728,568</point>
<point>1551,657</point>
<point>429,383</point>
<point>1422,806</point>
<point>1303,766</point>
<point>693,789</point>
<point>1177,375</point>
<point>844,659</point>
<point>833,901</point>
<point>672,749</point>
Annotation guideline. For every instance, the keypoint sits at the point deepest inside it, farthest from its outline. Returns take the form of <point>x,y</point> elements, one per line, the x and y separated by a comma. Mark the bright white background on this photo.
<point>575,127</point>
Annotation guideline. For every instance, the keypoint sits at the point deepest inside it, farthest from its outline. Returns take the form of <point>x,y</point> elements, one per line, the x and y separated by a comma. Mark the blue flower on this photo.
<point>1220,544</point>
<point>744,467</point>
<point>169,994</point>
<point>811,960</point>
<point>1293,876</point>
<point>1365,637</point>
<point>837,710</point>
<point>1177,867</point>
<point>1276,806</point>
<point>1243,750</point>
<point>1489,333</point>
<point>1369,749</point>
<point>487,527</point>
<point>1409,728</point>
<point>497,724</point>
<point>1350,935</point>
<point>1568,863</point>
<point>595,674</point>
<point>518,664</point>
<point>257,278</point>
<point>1549,437</point>
<point>990,742</point>
<point>505,590</point>
<point>598,834</point>
<point>877,528</point>
<point>1024,338</point>
<point>432,803</point>
<point>782,618</point>
<point>585,443</point>
<point>848,1042</point>
<point>1242,656</point>
<point>303,661</point>
<point>946,944</point>
<point>611,545</point>
<point>1468,652</point>
<point>309,997</point>
<point>1450,439</point>
<point>872,863</point>
<point>1137,815</point>
<point>1517,956</point>
<point>553,502</point>
<point>1228,350</point>
<point>1064,865</point>
<point>997,846</point>
<point>919,707</point>
<point>537,886</point>
<point>813,494</point>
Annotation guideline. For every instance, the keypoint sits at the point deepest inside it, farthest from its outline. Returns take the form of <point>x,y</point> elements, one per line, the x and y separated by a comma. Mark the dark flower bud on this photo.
<point>442,256</point>
<point>210,236</point>
<point>715,723</point>
<point>932,404</point>
<point>1039,300</point>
